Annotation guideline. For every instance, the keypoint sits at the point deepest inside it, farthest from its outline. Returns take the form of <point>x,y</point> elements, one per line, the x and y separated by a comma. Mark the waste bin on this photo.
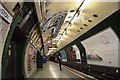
<point>44,59</point>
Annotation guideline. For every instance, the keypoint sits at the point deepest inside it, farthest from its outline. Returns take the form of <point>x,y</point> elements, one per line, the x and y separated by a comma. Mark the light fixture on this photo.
<point>74,18</point>
<point>84,4</point>
<point>49,41</point>
<point>68,26</point>
<point>64,33</point>
<point>58,38</point>
<point>78,11</point>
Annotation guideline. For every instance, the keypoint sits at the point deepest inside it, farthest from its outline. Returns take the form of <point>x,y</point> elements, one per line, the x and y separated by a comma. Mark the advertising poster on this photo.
<point>102,48</point>
<point>73,54</point>
<point>64,55</point>
<point>30,60</point>
<point>77,51</point>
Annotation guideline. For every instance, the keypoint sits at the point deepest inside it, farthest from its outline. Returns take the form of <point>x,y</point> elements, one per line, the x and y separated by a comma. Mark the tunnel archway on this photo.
<point>17,41</point>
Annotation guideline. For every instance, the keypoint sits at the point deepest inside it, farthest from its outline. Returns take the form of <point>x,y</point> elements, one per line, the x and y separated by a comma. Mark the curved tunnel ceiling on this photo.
<point>52,26</point>
<point>53,19</point>
<point>84,22</point>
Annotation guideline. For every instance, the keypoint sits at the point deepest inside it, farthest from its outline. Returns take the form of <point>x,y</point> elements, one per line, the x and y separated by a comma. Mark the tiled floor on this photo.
<point>51,70</point>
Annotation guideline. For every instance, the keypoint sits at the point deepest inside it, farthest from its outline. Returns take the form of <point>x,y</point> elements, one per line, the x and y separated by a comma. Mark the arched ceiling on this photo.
<point>94,12</point>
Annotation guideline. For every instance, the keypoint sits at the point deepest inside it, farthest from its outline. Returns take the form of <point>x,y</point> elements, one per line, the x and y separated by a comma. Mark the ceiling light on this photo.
<point>74,18</point>
<point>80,1</point>
<point>58,37</point>
<point>64,33</point>
<point>59,40</point>
<point>85,3</point>
<point>49,41</point>
<point>81,7</point>
<point>68,27</point>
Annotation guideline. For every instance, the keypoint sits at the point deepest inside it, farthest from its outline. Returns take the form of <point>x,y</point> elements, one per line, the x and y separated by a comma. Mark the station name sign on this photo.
<point>5,14</point>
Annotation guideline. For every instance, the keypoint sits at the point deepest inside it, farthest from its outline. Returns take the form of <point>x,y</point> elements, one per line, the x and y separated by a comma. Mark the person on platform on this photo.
<point>59,57</point>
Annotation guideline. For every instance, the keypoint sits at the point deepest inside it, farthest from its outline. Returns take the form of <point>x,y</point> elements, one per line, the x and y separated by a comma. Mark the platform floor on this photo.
<point>51,71</point>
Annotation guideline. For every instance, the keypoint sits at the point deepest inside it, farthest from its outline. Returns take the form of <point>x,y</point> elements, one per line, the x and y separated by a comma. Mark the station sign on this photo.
<point>5,14</point>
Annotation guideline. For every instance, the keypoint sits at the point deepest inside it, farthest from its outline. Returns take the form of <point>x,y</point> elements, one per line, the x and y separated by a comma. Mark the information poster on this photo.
<point>102,48</point>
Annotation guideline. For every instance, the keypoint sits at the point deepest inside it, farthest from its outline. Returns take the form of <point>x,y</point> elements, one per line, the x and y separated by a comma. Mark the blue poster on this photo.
<point>63,54</point>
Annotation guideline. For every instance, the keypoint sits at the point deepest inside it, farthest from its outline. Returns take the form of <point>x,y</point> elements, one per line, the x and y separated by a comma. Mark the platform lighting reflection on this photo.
<point>53,72</point>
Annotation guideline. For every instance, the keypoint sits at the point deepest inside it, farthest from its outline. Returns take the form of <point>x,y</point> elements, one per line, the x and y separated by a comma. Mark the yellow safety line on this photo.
<point>74,73</point>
